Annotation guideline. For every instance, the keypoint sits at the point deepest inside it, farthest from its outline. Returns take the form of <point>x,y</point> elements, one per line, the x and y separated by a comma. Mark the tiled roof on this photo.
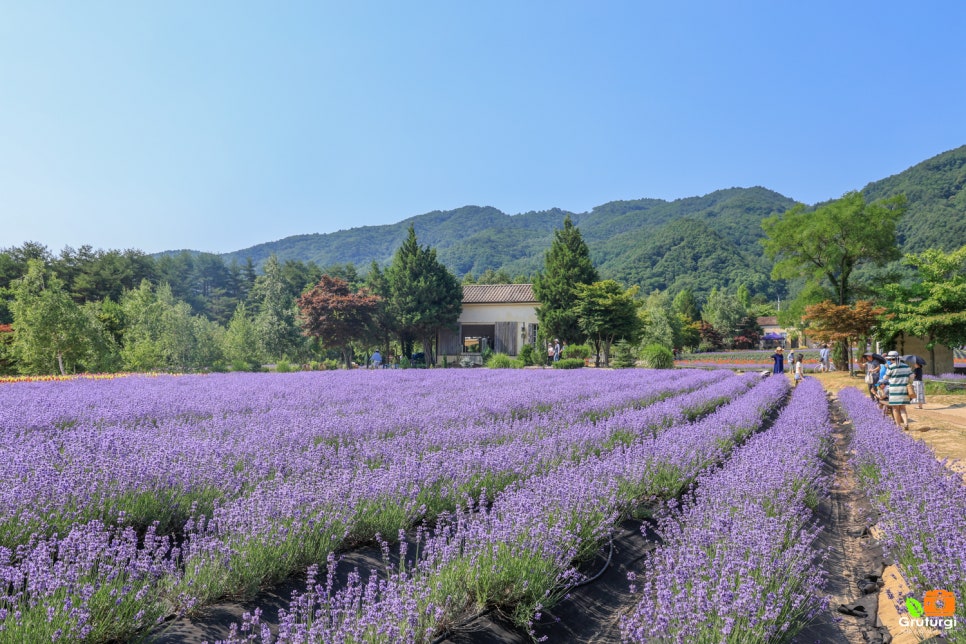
<point>498,293</point>
<point>770,320</point>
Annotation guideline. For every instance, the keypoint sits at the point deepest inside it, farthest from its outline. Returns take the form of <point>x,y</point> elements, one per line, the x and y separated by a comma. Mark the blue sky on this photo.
<point>219,125</point>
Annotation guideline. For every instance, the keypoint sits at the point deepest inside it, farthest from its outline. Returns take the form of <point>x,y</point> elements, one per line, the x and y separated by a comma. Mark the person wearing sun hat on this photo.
<point>779,359</point>
<point>897,384</point>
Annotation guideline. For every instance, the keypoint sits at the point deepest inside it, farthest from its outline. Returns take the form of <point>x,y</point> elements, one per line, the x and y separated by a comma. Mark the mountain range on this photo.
<point>696,242</point>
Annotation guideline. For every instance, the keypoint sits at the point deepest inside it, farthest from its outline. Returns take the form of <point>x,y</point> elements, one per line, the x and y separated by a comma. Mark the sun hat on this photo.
<point>893,354</point>
<point>779,349</point>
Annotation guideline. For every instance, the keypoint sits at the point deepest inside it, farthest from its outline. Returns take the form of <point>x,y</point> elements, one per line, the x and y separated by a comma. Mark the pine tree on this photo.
<point>275,320</point>
<point>566,265</point>
<point>423,295</point>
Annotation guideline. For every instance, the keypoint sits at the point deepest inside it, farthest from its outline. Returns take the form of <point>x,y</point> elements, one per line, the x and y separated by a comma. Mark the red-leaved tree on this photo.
<point>336,315</point>
<point>843,323</point>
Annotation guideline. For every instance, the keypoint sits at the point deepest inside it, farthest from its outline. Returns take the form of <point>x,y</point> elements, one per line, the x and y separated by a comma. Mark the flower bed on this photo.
<point>921,505</point>
<point>737,554</point>
<point>238,480</point>
<point>516,553</point>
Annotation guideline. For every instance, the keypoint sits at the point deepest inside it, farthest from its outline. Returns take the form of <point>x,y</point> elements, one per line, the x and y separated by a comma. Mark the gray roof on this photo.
<point>498,294</point>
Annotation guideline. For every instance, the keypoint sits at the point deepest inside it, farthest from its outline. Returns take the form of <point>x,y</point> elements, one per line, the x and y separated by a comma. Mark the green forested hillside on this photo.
<point>936,190</point>
<point>698,242</point>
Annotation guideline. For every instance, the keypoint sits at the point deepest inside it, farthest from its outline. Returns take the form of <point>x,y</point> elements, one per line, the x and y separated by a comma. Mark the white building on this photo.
<point>501,317</point>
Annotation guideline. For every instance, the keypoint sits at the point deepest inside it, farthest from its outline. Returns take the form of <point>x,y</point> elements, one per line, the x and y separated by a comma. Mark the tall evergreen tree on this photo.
<point>423,295</point>
<point>566,264</point>
<point>241,347</point>
<point>661,325</point>
<point>382,323</point>
<point>277,329</point>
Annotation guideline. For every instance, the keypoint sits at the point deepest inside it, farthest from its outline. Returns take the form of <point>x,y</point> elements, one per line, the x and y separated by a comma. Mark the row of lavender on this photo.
<point>921,506</point>
<point>84,450</point>
<point>737,559</point>
<point>518,552</point>
<point>291,468</point>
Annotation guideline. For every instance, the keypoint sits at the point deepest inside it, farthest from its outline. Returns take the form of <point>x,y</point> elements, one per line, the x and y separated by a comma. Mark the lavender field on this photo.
<point>126,502</point>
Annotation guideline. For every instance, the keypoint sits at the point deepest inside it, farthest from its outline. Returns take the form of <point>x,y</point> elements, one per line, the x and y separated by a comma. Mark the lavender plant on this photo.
<point>737,560</point>
<point>921,506</point>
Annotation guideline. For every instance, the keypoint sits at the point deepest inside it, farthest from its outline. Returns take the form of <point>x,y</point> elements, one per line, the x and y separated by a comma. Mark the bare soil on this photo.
<point>940,424</point>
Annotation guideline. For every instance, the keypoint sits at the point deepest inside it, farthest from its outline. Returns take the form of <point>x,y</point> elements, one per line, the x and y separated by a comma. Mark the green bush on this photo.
<point>657,356</point>
<point>568,363</point>
<point>241,365</point>
<point>284,366</point>
<point>623,355</point>
<point>578,351</point>
<point>503,361</point>
<point>528,356</point>
<point>330,364</point>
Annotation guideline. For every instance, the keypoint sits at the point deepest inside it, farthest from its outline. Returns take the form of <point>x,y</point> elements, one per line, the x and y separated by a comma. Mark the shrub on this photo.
<point>503,361</point>
<point>528,356</point>
<point>580,351</point>
<point>624,355</point>
<point>568,363</point>
<point>284,366</point>
<point>657,356</point>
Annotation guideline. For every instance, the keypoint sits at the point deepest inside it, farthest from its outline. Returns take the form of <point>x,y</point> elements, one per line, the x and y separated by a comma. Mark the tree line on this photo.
<point>106,311</point>
<point>88,310</point>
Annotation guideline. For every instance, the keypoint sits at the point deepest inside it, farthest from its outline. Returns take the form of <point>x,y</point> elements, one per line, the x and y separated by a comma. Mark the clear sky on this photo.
<point>219,125</point>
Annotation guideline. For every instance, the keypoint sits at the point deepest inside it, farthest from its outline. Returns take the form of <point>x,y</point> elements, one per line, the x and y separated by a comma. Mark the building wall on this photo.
<point>493,313</point>
<point>512,325</point>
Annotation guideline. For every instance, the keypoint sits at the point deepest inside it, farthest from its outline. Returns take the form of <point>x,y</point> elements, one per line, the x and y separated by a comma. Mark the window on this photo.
<point>477,338</point>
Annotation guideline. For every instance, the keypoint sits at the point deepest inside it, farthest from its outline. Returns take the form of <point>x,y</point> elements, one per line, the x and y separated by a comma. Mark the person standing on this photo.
<point>916,363</point>
<point>871,374</point>
<point>799,369</point>
<point>376,359</point>
<point>779,359</point>
<point>898,374</point>
<point>549,354</point>
<point>823,357</point>
<point>556,350</point>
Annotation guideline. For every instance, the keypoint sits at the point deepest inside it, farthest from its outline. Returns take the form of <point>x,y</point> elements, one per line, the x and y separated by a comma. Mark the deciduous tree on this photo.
<point>241,346</point>
<point>605,313</point>
<point>51,332</point>
<point>830,322</point>
<point>935,306</point>
<point>336,315</point>
<point>832,241</point>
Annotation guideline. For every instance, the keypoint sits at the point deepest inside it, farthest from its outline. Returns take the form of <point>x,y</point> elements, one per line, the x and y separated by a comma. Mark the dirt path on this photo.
<point>941,425</point>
